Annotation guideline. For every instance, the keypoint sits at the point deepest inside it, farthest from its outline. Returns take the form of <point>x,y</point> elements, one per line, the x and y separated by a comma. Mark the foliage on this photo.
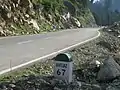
<point>49,15</point>
<point>52,5</point>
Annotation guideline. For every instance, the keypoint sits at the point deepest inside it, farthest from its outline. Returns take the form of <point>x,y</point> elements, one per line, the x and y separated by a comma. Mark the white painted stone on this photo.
<point>63,70</point>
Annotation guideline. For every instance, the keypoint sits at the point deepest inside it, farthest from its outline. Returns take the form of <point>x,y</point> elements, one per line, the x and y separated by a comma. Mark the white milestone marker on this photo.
<point>63,67</point>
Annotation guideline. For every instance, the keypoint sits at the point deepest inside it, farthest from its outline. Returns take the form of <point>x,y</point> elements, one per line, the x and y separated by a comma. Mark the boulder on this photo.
<point>109,70</point>
<point>35,24</point>
<point>76,22</point>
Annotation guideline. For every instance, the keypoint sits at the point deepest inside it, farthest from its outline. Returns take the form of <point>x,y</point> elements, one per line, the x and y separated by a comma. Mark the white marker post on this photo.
<point>63,67</point>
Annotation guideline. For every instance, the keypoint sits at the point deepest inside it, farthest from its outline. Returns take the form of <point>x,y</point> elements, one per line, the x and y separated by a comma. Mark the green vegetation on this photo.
<point>39,69</point>
<point>36,16</point>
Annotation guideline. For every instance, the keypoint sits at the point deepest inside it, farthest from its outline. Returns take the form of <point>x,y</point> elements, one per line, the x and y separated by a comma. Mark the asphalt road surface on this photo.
<point>19,51</point>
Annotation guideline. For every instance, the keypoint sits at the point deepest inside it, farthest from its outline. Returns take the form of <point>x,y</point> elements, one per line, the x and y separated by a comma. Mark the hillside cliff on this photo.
<point>19,17</point>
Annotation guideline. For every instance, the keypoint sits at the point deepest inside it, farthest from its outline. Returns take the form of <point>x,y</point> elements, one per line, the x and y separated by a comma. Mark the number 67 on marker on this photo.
<point>63,67</point>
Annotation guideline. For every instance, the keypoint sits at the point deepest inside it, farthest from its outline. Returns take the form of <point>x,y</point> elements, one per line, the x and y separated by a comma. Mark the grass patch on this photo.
<point>42,68</point>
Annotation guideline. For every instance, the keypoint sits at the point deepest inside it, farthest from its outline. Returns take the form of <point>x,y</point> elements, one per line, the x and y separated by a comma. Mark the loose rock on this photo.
<point>109,70</point>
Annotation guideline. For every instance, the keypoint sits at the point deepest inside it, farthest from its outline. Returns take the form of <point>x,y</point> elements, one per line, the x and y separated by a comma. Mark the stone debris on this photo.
<point>109,70</point>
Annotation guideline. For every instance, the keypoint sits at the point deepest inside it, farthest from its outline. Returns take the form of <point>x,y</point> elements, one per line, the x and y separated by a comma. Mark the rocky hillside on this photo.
<point>19,17</point>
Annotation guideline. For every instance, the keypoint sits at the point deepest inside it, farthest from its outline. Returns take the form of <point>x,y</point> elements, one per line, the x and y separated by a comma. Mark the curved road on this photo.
<point>19,51</point>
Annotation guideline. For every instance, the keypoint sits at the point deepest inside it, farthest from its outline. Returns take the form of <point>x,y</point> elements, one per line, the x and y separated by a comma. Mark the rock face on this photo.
<point>31,16</point>
<point>109,70</point>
